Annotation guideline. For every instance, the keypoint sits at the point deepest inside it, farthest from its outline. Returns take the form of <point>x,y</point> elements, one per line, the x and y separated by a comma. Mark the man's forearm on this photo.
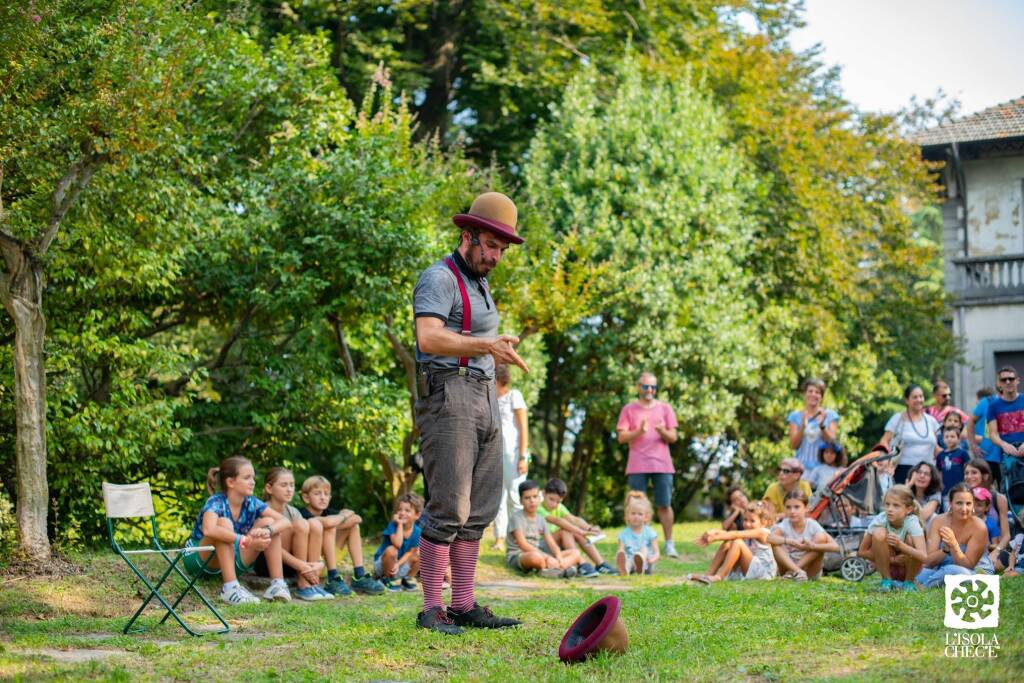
<point>444,342</point>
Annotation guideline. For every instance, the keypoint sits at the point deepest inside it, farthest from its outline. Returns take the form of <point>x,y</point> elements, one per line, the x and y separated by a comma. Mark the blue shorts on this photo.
<point>378,569</point>
<point>662,486</point>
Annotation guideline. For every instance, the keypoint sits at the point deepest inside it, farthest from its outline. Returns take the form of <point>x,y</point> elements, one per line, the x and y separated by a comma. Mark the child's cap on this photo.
<point>982,493</point>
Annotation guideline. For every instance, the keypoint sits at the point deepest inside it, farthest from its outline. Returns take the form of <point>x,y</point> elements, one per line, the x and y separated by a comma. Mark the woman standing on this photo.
<point>811,427</point>
<point>913,432</point>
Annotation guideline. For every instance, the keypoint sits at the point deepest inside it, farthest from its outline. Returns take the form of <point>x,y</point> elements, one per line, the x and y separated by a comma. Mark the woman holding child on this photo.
<point>811,427</point>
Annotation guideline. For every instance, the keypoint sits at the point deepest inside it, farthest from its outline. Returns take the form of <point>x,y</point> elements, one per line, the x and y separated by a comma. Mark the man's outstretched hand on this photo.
<point>502,348</point>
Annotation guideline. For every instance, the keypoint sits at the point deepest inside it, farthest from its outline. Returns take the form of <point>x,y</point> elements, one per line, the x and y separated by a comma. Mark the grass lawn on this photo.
<point>69,629</point>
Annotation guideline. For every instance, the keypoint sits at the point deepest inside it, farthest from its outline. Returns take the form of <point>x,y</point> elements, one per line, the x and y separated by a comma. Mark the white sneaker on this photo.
<point>670,549</point>
<point>238,596</point>
<point>278,592</point>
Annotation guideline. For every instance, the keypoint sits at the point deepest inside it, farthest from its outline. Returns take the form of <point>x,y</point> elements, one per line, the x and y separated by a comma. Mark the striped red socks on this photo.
<point>463,557</point>
<point>433,563</point>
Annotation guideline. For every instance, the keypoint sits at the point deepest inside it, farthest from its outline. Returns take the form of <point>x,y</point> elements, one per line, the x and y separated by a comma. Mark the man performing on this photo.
<point>457,345</point>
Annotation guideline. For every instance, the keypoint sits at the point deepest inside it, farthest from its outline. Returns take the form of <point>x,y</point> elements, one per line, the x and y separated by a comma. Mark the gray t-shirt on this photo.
<point>911,526</point>
<point>533,530</point>
<point>437,295</point>
<point>785,529</point>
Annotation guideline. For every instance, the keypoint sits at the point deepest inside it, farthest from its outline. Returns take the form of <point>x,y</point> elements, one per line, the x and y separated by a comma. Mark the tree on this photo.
<point>87,87</point>
<point>640,168</point>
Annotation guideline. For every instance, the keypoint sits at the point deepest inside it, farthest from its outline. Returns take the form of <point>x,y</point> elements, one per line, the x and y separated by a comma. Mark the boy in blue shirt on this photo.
<point>398,557</point>
<point>951,461</point>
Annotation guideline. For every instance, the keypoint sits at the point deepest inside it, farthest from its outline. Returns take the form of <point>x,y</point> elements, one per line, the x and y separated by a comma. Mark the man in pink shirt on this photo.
<point>649,426</point>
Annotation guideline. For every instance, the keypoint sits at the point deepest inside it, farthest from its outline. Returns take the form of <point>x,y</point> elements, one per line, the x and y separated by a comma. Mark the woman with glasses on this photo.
<point>913,432</point>
<point>812,427</point>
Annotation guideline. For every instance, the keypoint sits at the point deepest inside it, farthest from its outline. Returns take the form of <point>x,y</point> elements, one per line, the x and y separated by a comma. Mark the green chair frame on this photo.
<point>123,501</point>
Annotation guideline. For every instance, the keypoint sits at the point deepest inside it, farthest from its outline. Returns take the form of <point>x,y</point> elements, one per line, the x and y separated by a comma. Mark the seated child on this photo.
<point>569,530</point>
<point>982,503</point>
<point>341,530</point>
<point>239,526</point>
<point>638,550</point>
<point>530,545</point>
<point>398,557</point>
<point>747,552</point>
<point>951,461</point>
<point>895,540</point>
<point>301,544</point>
<point>1011,558</point>
<point>738,503</point>
<point>799,543</point>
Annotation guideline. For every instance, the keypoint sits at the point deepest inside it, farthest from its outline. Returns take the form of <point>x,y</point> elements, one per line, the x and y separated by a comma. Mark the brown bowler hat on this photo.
<point>598,628</point>
<point>494,212</point>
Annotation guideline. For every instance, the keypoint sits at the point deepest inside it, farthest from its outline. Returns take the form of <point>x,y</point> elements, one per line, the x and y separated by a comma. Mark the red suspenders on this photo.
<point>467,311</point>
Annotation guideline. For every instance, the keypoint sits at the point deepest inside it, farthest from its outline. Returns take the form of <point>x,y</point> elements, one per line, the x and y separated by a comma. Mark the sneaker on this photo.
<point>278,592</point>
<point>910,587</point>
<point>481,617</point>
<point>337,587</point>
<point>670,550</point>
<point>437,619</point>
<point>238,596</point>
<point>605,568</point>
<point>391,585</point>
<point>409,585</point>
<point>324,595</point>
<point>798,575</point>
<point>568,573</point>
<point>309,594</point>
<point>367,585</point>
<point>588,571</point>
<point>886,586</point>
<point>550,573</point>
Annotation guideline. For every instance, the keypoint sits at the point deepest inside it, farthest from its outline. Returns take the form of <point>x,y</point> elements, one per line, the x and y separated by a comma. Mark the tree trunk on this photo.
<point>441,67</point>
<point>22,297</point>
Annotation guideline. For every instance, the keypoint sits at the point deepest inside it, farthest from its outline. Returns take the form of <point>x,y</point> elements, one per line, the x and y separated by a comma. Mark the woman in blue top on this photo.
<point>812,426</point>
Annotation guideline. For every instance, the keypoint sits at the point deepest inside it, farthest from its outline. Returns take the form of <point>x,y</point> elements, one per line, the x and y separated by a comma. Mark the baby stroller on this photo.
<point>857,486</point>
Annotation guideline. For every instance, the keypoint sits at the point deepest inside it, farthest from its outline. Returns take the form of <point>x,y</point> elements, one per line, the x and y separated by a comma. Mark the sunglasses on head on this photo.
<point>786,470</point>
<point>1007,379</point>
<point>649,387</point>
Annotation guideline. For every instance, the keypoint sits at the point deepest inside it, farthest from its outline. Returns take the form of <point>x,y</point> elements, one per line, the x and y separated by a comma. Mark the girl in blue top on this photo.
<point>638,542</point>
<point>239,526</point>
<point>812,426</point>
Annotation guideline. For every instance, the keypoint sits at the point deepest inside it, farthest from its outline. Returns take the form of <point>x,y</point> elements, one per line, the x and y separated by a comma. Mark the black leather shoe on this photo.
<point>437,619</point>
<point>481,617</point>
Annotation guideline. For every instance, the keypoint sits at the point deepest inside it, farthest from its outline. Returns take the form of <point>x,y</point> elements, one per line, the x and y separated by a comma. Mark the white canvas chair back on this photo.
<point>128,500</point>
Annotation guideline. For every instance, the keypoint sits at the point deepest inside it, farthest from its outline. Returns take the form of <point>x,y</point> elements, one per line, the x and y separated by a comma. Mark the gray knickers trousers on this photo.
<point>460,440</point>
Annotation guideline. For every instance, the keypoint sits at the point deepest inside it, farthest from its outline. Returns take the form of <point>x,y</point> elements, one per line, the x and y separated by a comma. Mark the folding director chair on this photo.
<point>122,501</point>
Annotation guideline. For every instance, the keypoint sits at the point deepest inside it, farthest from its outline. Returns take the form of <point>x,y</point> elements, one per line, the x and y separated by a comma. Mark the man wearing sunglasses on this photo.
<point>790,470</point>
<point>649,426</point>
<point>1006,414</point>
<point>942,406</point>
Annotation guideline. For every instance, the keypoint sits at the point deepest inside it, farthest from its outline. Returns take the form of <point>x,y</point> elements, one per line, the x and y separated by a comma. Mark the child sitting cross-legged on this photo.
<point>747,554</point>
<point>569,530</point>
<point>530,545</point>
<point>239,526</point>
<point>895,540</point>
<point>397,560</point>
<point>638,542</point>
<point>800,543</point>
<point>341,530</point>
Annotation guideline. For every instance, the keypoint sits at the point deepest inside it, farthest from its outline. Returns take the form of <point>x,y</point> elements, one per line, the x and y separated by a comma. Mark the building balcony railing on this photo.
<point>989,279</point>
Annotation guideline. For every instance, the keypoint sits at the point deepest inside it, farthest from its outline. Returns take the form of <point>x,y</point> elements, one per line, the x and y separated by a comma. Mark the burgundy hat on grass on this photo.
<point>598,628</point>
<point>494,212</point>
